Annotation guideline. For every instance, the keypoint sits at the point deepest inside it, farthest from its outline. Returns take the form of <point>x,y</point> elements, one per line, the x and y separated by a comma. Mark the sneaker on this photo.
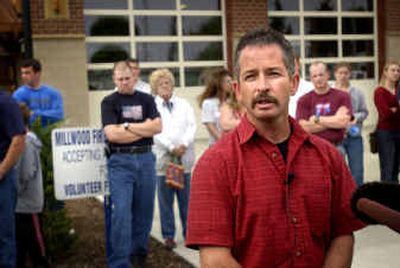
<point>169,243</point>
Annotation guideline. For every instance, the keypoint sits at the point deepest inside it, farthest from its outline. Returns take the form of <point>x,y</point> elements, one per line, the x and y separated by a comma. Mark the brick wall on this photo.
<point>388,31</point>
<point>392,17</point>
<point>69,26</point>
<point>242,16</point>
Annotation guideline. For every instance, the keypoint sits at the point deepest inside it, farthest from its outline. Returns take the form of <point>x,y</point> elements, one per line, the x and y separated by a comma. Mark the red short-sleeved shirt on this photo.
<point>324,105</point>
<point>240,199</point>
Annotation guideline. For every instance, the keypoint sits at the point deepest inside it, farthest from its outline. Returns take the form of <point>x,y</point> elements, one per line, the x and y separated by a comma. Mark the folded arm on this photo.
<point>116,133</point>
<point>55,112</point>
<point>339,120</point>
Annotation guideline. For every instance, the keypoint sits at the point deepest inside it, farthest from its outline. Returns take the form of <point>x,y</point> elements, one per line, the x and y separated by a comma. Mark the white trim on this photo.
<point>339,37</point>
<point>179,38</point>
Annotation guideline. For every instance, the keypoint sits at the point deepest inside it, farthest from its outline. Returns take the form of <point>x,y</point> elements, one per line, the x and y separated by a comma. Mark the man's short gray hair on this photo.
<point>262,37</point>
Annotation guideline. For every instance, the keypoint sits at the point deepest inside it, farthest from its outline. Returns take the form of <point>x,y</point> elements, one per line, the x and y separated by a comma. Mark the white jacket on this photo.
<point>178,127</point>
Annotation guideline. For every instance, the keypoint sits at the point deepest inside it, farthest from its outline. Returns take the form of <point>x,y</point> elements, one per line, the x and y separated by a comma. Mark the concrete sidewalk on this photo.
<point>190,255</point>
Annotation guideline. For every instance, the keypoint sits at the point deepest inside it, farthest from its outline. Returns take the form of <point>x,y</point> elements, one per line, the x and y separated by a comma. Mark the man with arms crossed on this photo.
<point>269,194</point>
<point>325,111</point>
<point>130,119</point>
<point>12,144</point>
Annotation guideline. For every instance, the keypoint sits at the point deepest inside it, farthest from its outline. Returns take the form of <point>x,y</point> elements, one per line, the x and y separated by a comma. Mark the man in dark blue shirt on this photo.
<point>130,120</point>
<point>12,141</point>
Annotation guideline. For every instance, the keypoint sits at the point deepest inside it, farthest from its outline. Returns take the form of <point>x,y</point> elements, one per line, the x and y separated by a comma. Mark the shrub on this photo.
<point>56,224</point>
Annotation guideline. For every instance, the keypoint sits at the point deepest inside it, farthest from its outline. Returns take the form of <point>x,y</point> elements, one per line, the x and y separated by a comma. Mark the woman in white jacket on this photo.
<point>174,143</point>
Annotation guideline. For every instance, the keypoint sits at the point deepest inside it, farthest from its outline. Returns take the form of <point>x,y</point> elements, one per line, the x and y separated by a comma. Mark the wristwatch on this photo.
<point>126,125</point>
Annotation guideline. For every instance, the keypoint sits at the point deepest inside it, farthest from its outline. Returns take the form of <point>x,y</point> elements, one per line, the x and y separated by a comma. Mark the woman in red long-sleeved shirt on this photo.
<point>388,128</point>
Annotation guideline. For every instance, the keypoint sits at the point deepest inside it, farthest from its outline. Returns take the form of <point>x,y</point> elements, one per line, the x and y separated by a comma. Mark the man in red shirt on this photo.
<point>269,194</point>
<point>324,111</point>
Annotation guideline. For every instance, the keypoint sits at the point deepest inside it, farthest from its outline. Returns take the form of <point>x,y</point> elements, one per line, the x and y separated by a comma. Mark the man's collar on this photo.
<point>33,88</point>
<point>326,91</point>
<point>246,130</point>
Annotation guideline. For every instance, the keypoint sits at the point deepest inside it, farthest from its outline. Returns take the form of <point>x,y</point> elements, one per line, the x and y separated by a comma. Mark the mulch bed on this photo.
<point>88,223</point>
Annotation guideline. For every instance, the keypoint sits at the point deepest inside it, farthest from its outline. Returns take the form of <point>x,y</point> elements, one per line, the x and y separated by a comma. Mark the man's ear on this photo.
<point>294,84</point>
<point>236,88</point>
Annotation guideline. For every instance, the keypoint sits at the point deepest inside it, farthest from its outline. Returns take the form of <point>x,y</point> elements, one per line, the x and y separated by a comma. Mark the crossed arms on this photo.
<point>341,119</point>
<point>116,133</point>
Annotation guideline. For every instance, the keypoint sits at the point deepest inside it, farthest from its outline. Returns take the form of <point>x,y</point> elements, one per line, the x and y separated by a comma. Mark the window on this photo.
<point>186,36</point>
<point>330,31</point>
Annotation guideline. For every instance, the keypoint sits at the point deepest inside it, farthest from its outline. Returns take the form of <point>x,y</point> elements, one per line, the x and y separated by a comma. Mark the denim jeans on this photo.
<point>354,149</point>
<point>132,188</point>
<point>8,195</point>
<point>389,154</point>
<point>166,196</point>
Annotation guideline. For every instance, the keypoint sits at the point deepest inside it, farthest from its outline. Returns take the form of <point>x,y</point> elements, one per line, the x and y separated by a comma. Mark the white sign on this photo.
<point>79,163</point>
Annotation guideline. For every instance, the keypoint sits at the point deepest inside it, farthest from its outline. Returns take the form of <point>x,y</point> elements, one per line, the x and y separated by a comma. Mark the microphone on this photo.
<point>378,203</point>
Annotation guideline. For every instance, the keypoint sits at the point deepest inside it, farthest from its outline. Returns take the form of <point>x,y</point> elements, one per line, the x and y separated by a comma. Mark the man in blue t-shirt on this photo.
<point>12,141</point>
<point>130,120</point>
<point>44,101</point>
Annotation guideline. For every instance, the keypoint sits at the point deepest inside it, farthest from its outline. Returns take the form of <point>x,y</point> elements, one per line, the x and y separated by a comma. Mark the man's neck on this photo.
<point>342,86</point>
<point>274,131</point>
<point>126,92</point>
<point>322,91</point>
<point>34,86</point>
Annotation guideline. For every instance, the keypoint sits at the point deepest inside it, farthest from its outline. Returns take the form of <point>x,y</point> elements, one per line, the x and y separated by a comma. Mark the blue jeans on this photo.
<point>8,195</point>
<point>354,149</point>
<point>389,154</point>
<point>166,196</point>
<point>132,188</point>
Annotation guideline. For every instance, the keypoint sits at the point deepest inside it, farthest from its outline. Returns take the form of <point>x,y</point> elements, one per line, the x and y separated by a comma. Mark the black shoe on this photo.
<point>169,243</point>
<point>139,261</point>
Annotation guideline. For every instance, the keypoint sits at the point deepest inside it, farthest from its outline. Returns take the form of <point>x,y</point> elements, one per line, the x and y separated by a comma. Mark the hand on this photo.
<point>342,114</point>
<point>393,109</point>
<point>179,150</point>
<point>353,122</point>
<point>342,111</point>
<point>313,119</point>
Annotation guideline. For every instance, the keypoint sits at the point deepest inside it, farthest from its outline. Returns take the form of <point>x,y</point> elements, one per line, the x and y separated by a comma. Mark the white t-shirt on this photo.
<point>210,114</point>
<point>304,87</point>
<point>143,87</point>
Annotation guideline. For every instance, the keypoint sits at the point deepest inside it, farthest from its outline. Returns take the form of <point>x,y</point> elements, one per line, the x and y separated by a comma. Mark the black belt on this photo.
<point>131,149</point>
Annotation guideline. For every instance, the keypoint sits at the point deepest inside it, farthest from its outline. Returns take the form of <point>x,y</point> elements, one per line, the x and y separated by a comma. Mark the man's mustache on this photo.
<point>264,96</point>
